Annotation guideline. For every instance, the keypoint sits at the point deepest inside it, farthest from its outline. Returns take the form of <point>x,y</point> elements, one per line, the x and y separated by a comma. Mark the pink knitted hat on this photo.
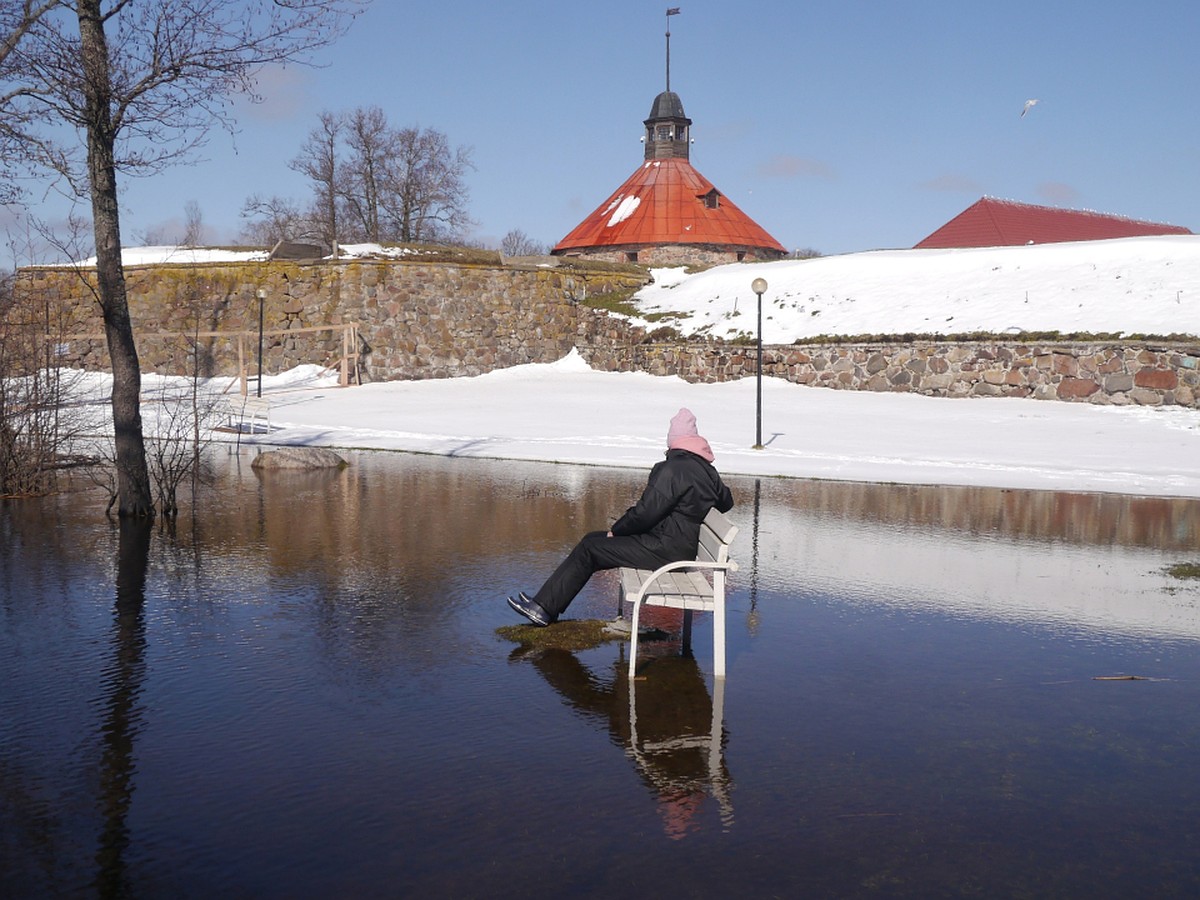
<point>682,435</point>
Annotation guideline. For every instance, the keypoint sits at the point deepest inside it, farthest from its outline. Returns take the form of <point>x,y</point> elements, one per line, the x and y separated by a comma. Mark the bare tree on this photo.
<point>518,243</point>
<point>318,161</point>
<point>17,142</point>
<point>369,171</point>
<point>428,196</point>
<point>140,102</point>
<point>273,219</point>
<point>41,430</point>
<point>193,225</point>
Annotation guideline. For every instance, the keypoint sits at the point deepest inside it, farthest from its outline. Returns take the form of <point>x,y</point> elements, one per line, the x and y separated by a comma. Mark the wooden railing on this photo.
<point>347,364</point>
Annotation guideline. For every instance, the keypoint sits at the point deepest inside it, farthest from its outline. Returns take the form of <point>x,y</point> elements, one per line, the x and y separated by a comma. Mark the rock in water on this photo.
<point>306,458</point>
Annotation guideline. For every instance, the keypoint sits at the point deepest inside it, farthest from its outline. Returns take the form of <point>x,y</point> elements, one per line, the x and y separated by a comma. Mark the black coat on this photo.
<point>680,492</point>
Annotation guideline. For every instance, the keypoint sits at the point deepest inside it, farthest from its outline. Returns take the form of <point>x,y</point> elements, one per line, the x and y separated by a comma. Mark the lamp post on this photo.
<point>759,286</point>
<point>262,296</point>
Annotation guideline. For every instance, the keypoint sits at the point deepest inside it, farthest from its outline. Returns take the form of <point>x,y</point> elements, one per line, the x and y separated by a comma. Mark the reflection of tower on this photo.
<point>124,716</point>
<point>668,725</point>
<point>752,619</point>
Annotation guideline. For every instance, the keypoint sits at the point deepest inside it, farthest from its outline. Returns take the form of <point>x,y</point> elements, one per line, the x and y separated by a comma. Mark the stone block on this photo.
<point>1076,388</point>
<point>935,383</point>
<point>1114,384</point>
<point>1156,379</point>
<point>1145,397</point>
<point>1064,364</point>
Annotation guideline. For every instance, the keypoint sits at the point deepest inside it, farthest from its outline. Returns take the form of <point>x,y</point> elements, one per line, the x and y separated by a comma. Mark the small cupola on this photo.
<point>668,129</point>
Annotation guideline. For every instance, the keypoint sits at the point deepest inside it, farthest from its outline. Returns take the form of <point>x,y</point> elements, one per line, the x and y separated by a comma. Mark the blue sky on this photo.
<point>837,126</point>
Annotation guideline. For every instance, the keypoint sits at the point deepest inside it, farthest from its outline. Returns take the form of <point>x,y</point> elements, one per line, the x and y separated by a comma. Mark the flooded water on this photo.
<point>302,694</point>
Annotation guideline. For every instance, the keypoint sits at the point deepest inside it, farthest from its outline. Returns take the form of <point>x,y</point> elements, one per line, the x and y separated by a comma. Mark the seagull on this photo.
<point>1029,104</point>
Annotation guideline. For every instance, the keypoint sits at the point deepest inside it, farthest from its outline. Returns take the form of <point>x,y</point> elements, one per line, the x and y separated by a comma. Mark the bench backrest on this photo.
<point>716,534</point>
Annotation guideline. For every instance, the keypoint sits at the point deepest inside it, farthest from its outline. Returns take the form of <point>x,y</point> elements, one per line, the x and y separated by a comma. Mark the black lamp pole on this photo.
<point>759,286</point>
<point>262,295</point>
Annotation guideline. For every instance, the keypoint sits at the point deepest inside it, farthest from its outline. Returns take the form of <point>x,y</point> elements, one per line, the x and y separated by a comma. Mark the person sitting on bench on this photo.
<point>662,527</point>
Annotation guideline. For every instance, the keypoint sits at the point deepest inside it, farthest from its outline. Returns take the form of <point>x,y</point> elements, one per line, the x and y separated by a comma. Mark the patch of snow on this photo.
<point>624,210</point>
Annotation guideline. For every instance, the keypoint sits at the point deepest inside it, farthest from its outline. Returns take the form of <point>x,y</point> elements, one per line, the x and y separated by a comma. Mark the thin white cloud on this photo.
<point>1057,192</point>
<point>783,165</point>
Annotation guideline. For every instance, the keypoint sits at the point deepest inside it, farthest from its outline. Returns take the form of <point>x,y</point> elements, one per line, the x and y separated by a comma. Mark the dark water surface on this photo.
<point>301,694</point>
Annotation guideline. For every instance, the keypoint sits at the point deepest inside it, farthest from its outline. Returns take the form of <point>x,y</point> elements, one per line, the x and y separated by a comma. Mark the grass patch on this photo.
<point>619,302</point>
<point>1184,570</point>
<point>571,634</point>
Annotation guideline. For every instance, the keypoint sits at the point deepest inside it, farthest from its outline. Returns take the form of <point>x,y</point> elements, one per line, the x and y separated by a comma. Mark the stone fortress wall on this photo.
<point>446,313</point>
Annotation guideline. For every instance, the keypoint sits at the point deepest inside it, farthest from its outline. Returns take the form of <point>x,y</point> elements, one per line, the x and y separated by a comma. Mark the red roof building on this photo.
<point>1005,223</point>
<point>667,213</point>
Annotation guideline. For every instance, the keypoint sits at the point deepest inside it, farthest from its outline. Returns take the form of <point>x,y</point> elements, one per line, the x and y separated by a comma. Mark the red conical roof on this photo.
<point>666,201</point>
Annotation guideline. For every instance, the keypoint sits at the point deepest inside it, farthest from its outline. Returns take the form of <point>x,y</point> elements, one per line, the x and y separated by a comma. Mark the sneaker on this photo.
<point>530,610</point>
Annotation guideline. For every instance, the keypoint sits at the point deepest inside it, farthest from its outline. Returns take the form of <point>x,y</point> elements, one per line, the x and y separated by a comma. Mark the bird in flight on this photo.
<point>1029,104</point>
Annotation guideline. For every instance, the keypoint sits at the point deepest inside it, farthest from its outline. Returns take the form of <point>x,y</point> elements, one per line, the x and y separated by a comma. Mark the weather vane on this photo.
<point>671,11</point>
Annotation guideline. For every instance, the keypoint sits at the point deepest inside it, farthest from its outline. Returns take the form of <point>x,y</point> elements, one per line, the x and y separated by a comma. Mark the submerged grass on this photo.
<point>1184,570</point>
<point>572,634</point>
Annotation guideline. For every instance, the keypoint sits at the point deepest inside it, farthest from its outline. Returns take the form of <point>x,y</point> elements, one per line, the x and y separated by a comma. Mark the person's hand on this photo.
<point>609,534</point>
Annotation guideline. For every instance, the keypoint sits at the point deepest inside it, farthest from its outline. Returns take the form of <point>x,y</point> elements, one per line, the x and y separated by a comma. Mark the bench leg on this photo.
<point>633,636</point>
<point>719,637</point>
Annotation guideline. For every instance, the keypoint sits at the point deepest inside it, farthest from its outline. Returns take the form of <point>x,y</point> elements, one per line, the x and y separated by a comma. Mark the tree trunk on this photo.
<point>133,478</point>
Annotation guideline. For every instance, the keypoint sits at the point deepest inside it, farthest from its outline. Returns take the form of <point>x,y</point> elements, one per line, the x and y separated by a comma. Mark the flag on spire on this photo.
<point>673,11</point>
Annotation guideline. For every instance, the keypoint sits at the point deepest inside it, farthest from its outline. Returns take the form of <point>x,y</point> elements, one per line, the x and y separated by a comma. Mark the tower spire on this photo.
<point>671,11</point>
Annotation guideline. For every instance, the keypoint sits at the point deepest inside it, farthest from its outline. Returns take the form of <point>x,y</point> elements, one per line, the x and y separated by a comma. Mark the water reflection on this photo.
<point>301,693</point>
<point>1073,561</point>
<point>123,716</point>
<point>667,724</point>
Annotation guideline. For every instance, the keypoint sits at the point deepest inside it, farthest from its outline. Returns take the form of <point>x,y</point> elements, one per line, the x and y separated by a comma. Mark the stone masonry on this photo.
<point>1100,373</point>
<point>470,312</point>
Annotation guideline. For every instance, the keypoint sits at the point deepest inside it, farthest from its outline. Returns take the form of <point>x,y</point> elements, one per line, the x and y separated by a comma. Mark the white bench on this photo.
<point>241,413</point>
<point>684,585</point>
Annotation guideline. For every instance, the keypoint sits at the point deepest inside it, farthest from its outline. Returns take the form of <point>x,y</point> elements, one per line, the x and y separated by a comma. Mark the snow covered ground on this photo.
<point>1145,285</point>
<point>566,412</point>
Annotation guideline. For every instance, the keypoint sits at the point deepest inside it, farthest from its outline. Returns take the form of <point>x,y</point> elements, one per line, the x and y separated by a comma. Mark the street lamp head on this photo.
<point>759,286</point>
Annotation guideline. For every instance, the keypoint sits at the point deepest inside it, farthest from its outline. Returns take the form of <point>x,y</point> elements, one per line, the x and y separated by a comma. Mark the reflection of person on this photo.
<point>663,527</point>
<point>670,728</point>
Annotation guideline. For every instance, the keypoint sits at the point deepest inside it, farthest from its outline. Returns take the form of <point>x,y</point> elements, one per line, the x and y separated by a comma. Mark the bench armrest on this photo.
<point>727,566</point>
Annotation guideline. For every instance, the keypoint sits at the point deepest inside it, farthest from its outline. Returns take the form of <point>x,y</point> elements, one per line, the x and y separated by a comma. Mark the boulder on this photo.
<point>301,458</point>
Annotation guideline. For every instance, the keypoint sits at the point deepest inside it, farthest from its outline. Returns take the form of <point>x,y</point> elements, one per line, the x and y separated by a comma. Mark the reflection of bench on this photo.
<point>241,414</point>
<point>683,585</point>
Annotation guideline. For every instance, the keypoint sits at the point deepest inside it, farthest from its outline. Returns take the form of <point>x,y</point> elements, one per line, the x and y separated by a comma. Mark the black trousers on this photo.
<point>594,552</point>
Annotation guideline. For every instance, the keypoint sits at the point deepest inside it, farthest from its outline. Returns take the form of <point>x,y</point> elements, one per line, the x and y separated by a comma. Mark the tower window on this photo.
<point>712,200</point>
